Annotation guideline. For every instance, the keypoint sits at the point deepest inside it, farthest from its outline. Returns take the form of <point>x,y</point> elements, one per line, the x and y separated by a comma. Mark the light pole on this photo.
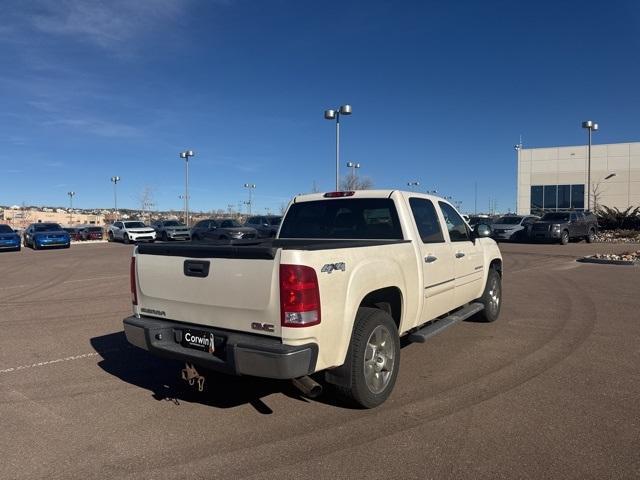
<point>335,115</point>
<point>517,148</point>
<point>352,184</point>
<point>186,155</point>
<point>115,181</point>
<point>71,194</point>
<point>413,184</point>
<point>592,127</point>
<point>250,187</point>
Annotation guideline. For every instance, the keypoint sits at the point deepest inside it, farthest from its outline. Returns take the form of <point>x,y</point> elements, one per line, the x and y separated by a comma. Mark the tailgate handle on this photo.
<point>196,268</point>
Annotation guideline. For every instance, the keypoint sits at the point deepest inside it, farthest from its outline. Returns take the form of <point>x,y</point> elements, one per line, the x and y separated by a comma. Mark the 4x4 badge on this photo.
<point>330,267</point>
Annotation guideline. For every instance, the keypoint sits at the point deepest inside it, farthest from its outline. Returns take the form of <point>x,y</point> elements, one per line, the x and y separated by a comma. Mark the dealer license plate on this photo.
<point>198,340</point>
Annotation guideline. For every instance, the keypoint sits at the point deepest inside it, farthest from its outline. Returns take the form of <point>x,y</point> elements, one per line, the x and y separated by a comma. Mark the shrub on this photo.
<point>614,218</point>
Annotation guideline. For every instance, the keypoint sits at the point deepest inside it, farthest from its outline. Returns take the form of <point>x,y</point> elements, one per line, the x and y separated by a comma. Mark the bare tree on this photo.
<point>354,182</point>
<point>146,201</point>
<point>596,194</point>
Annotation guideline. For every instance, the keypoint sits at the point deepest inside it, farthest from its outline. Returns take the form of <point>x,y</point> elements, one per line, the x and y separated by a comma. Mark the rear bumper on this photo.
<point>235,353</point>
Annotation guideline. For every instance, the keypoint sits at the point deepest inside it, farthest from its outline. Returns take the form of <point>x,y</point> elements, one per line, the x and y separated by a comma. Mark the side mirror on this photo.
<point>482,230</point>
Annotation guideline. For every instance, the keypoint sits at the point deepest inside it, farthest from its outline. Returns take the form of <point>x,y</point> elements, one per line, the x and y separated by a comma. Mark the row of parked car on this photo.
<point>208,229</point>
<point>559,227</point>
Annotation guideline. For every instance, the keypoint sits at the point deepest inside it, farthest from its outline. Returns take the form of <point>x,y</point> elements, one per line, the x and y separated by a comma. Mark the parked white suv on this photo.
<point>131,231</point>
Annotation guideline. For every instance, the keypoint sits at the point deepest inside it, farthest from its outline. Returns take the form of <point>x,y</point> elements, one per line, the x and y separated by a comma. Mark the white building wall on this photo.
<point>568,166</point>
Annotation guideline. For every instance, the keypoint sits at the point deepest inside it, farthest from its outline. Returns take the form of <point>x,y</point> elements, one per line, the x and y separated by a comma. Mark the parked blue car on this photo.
<point>41,235</point>
<point>9,240</point>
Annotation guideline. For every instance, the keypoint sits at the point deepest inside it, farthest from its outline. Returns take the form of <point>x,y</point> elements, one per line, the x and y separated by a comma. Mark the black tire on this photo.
<point>164,237</point>
<point>67,245</point>
<point>564,237</point>
<point>125,239</point>
<point>362,390</point>
<point>591,236</point>
<point>195,238</point>
<point>34,245</point>
<point>110,237</point>
<point>491,298</point>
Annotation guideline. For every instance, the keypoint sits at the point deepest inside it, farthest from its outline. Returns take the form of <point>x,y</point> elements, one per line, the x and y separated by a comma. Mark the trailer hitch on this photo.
<point>191,376</point>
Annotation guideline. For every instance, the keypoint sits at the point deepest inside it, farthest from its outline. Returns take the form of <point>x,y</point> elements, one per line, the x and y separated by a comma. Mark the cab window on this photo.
<point>455,224</point>
<point>426,218</point>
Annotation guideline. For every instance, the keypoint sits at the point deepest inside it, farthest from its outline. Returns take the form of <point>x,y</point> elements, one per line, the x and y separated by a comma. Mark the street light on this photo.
<point>592,127</point>
<point>186,155</point>
<point>71,194</point>
<point>413,184</point>
<point>250,186</point>
<point>335,115</point>
<point>115,181</point>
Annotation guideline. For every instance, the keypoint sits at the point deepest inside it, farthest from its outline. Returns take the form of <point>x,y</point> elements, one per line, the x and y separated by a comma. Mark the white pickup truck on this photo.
<point>347,276</point>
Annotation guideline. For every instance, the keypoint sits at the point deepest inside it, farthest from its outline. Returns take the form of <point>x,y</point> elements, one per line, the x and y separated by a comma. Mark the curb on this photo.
<point>603,261</point>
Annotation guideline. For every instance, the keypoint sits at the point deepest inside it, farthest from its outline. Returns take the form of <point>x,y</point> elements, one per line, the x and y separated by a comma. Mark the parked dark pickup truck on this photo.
<point>565,226</point>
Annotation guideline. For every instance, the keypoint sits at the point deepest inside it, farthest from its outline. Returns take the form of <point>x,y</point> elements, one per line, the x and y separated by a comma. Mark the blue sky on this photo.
<point>440,91</point>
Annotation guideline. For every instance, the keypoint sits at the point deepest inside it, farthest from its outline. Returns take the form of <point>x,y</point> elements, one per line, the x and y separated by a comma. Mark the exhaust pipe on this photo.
<point>308,386</point>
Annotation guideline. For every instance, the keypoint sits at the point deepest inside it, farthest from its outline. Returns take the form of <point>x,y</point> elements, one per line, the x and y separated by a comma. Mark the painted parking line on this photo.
<point>46,363</point>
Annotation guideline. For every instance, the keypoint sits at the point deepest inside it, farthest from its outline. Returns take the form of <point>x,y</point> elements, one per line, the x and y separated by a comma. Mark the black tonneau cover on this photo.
<point>265,250</point>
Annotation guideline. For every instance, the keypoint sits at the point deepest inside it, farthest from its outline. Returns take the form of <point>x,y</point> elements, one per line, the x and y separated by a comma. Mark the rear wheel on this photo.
<point>564,237</point>
<point>591,236</point>
<point>491,298</point>
<point>373,358</point>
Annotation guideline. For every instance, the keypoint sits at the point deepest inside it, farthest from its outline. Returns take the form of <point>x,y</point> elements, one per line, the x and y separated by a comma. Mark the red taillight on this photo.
<point>132,276</point>
<point>338,194</point>
<point>299,296</point>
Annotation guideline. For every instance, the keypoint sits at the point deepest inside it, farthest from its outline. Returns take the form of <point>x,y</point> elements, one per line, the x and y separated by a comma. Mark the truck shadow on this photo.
<point>162,378</point>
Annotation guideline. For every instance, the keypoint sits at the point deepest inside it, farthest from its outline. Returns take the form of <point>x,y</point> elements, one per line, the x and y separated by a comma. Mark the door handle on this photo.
<point>459,254</point>
<point>430,259</point>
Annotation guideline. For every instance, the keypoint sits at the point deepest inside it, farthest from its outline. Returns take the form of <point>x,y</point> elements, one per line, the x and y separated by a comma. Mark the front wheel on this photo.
<point>591,236</point>
<point>125,239</point>
<point>564,237</point>
<point>110,237</point>
<point>373,358</point>
<point>164,237</point>
<point>491,297</point>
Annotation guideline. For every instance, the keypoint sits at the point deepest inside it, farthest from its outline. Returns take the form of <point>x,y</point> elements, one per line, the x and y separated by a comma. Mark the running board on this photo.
<point>420,336</point>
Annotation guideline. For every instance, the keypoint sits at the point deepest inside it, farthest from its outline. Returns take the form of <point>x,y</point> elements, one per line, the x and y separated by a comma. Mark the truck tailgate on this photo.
<point>219,286</point>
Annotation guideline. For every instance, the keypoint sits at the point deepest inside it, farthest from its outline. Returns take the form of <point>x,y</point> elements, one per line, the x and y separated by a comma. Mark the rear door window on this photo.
<point>426,218</point>
<point>354,218</point>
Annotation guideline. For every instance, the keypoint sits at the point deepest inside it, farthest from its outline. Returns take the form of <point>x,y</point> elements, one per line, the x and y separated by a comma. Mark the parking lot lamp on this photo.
<point>591,127</point>
<point>353,167</point>
<point>413,186</point>
<point>186,155</point>
<point>250,187</point>
<point>71,194</point>
<point>115,181</point>
<point>335,115</point>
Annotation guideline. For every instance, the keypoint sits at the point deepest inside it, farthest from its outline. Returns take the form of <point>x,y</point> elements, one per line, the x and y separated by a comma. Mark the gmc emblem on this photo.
<point>264,327</point>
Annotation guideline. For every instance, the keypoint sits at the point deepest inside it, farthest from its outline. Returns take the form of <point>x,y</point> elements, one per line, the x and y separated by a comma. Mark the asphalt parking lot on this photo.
<point>550,390</point>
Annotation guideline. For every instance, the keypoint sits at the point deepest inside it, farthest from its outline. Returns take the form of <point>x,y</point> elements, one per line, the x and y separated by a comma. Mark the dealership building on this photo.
<point>555,178</point>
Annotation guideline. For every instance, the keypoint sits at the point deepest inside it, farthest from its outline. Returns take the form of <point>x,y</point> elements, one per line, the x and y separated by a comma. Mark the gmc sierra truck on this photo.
<point>347,276</point>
